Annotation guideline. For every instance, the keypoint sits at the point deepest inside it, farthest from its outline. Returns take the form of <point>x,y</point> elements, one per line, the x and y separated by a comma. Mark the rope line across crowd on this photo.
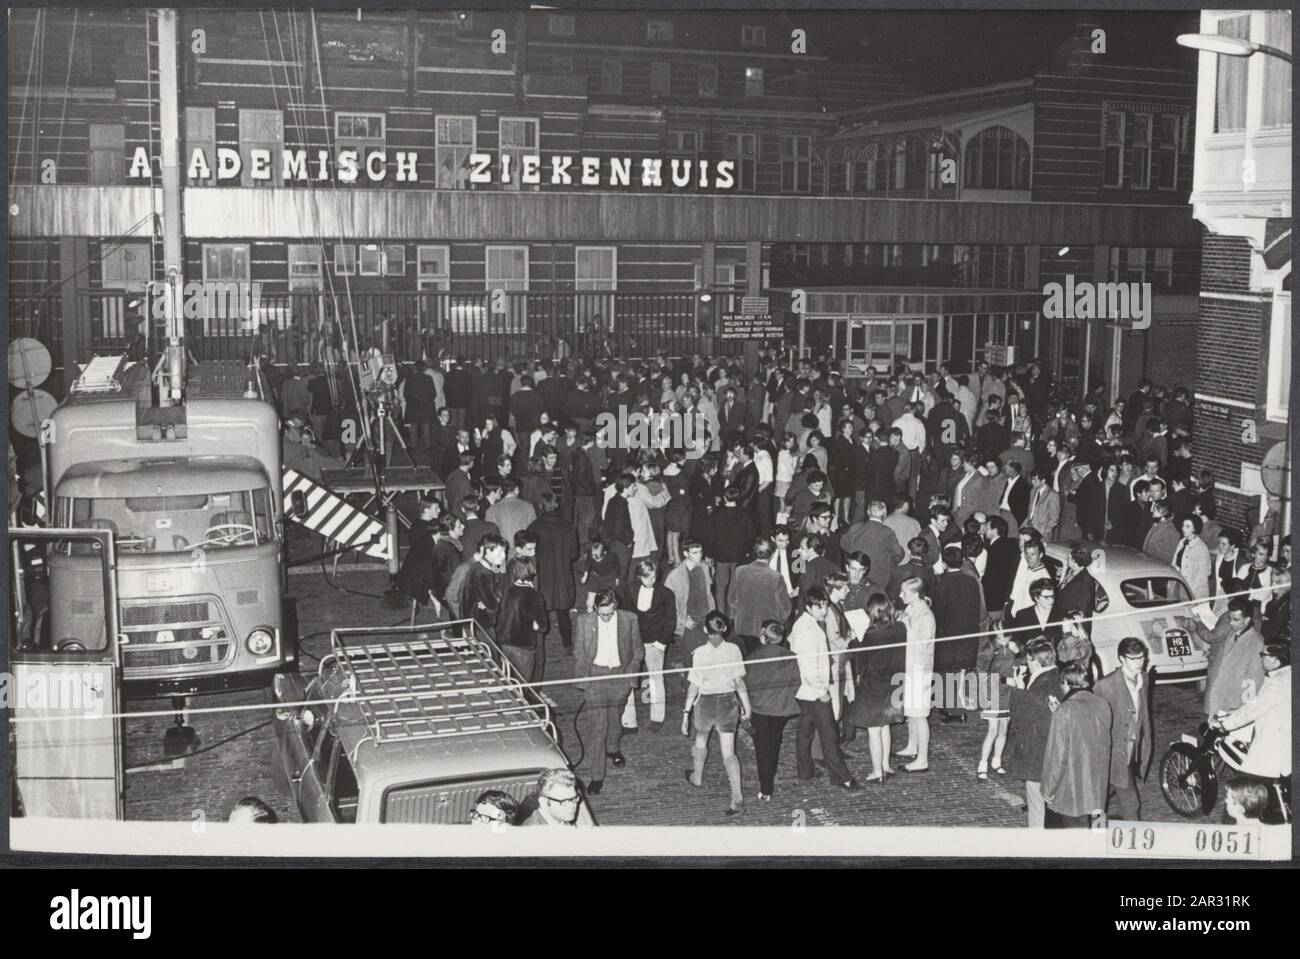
<point>583,680</point>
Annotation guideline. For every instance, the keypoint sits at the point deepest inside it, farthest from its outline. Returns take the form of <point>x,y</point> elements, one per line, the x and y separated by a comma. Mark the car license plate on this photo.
<point>1177,643</point>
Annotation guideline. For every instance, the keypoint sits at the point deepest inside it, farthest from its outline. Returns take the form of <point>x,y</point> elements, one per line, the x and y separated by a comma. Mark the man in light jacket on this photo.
<point>816,715</point>
<point>1269,756</point>
<point>1233,660</point>
<point>758,594</point>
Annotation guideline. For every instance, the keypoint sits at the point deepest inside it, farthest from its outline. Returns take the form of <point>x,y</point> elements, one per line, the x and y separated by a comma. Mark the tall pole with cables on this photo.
<point>172,372</point>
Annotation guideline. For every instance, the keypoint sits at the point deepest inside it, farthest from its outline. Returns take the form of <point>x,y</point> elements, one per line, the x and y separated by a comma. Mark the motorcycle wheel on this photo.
<point>1183,780</point>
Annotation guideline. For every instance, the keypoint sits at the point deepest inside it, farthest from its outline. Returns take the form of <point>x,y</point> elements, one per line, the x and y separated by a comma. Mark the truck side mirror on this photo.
<point>297,504</point>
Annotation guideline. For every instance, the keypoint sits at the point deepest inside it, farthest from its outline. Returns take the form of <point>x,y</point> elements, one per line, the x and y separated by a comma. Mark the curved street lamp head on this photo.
<point>1229,46</point>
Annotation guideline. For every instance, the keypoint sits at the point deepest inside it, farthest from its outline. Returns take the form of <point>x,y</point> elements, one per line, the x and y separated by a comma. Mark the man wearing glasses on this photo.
<point>1132,741</point>
<point>494,809</point>
<point>557,799</point>
<point>1034,620</point>
<point>607,647</point>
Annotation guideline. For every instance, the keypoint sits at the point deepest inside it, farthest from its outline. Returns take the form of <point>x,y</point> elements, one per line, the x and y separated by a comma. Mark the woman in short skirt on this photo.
<point>995,664</point>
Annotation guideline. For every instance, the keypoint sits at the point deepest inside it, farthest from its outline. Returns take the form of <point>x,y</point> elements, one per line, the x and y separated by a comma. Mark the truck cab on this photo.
<point>193,496</point>
<point>410,725</point>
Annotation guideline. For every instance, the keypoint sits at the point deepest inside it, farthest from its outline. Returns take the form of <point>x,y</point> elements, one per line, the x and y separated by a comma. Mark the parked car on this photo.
<point>1137,596</point>
<point>410,725</point>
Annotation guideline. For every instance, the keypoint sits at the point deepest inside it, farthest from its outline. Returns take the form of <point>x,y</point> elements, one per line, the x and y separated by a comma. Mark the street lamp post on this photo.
<point>1229,46</point>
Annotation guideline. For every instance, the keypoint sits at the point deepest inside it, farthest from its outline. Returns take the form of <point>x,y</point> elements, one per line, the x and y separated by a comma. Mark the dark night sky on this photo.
<point>946,49</point>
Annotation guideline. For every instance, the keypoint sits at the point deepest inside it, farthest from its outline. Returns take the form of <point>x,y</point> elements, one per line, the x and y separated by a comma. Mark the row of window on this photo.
<point>656,31</point>
<point>1140,151</point>
<point>987,266</point>
<point>661,77</point>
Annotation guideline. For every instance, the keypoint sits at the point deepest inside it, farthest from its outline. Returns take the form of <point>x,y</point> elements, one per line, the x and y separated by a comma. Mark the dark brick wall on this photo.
<point>1172,351</point>
<point>1231,362</point>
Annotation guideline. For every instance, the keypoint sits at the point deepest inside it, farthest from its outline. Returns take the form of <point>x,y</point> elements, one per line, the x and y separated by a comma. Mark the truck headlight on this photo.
<point>260,641</point>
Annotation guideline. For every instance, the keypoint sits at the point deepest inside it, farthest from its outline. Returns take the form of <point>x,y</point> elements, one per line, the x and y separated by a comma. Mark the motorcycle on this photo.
<point>1190,770</point>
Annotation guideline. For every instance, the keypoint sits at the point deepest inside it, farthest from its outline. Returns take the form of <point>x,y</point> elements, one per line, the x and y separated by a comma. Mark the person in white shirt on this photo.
<point>1269,756</point>
<point>808,641</point>
<point>919,620</point>
<point>780,560</point>
<point>717,693</point>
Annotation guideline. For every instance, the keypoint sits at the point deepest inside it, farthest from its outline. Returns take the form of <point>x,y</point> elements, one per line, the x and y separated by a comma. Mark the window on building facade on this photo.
<point>1162,273</point>
<point>225,261</point>
<point>595,268</point>
<point>107,148</point>
<point>796,164</point>
<point>753,81</point>
<point>997,159</point>
<point>1128,264</point>
<point>562,66</point>
<point>684,142</point>
<point>1164,152</point>
<point>559,25</point>
<point>1140,173</point>
<point>371,260</point>
<point>1276,109</point>
<point>507,268</point>
<point>899,164</point>
<point>454,141</point>
<point>659,31</point>
<point>433,268</point>
<point>745,148</point>
<point>518,139</point>
<point>611,77</point>
<point>753,36</point>
<point>395,259</point>
<point>1230,79</point>
<point>870,169</point>
<point>708,80</point>
<point>1112,173</point>
<point>359,126</point>
<point>259,130</point>
<point>201,134</point>
<point>661,79</point>
<point>125,267</point>
<point>345,259</point>
<point>306,273</point>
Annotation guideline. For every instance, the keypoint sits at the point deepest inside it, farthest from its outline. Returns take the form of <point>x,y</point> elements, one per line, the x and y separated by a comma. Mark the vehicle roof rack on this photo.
<point>432,682</point>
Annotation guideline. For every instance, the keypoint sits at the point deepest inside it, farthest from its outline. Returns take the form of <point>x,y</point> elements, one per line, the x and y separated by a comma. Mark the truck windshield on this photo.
<point>229,519</point>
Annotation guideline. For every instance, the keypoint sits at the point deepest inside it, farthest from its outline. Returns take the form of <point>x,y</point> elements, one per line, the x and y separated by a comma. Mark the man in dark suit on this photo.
<point>606,642</point>
<point>1031,720</point>
<point>526,408</point>
<point>875,539</point>
<point>1078,590</point>
<point>955,602</point>
<point>555,390</point>
<point>1000,568</point>
<point>733,413</point>
<point>881,466</point>
<point>816,567</point>
<point>1132,739</point>
<point>1014,505</point>
<point>1140,519</point>
<point>746,479</point>
<point>655,607</point>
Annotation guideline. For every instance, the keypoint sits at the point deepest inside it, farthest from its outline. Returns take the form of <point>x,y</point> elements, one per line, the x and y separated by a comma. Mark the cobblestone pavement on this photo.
<point>651,790</point>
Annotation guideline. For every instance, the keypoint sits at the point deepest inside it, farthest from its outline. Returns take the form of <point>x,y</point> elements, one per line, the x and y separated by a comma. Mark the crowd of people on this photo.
<point>821,547</point>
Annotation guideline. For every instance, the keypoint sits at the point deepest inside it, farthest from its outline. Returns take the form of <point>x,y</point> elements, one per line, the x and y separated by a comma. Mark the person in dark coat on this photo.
<point>478,393</point>
<point>1077,757</point>
<point>1090,503</point>
<point>1078,590</point>
<point>955,602</point>
<point>843,452</point>
<point>457,387</point>
<point>655,607</point>
<point>1031,718</point>
<point>447,551</point>
<point>526,408</point>
<point>881,466</point>
<point>554,391</point>
<point>1127,690</point>
<point>521,621</point>
<point>415,577</point>
<point>557,551</point>
<point>772,679</point>
<point>872,710</point>
<point>420,395</point>
<point>704,491</point>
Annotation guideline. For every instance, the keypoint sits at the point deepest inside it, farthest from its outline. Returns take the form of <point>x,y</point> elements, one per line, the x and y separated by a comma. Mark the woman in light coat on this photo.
<point>1193,557</point>
<point>919,620</point>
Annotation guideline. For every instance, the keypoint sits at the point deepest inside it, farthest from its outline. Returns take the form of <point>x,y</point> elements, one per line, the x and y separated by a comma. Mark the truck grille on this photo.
<point>450,803</point>
<point>187,622</point>
<point>146,657</point>
<point>166,614</point>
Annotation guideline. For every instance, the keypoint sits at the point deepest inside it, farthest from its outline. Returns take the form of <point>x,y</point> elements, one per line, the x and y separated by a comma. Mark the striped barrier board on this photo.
<point>335,519</point>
